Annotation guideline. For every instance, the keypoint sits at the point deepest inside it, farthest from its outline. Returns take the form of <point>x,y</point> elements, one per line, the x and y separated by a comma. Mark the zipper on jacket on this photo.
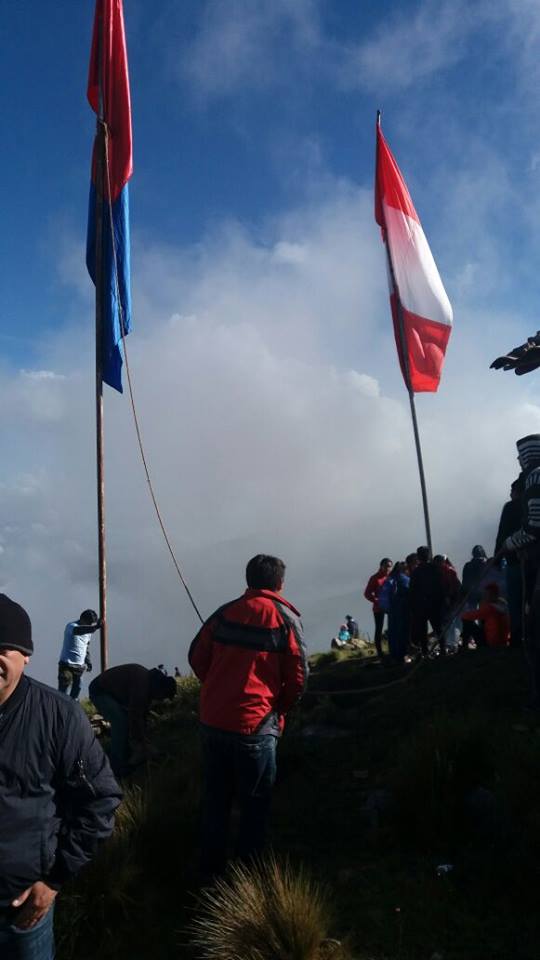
<point>82,778</point>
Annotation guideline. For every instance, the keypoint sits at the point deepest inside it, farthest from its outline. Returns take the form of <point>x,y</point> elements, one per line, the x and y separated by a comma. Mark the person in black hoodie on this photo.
<point>57,794</point>
<point>471,585</point>
<point>510,523</point>
<point>426,594</point>
<point>526,542</point>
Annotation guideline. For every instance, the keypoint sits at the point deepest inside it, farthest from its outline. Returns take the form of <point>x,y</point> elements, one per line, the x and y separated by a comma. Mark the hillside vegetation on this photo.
<point>416,807</point>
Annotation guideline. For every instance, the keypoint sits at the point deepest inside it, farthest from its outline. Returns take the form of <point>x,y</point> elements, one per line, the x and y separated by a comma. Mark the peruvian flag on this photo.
<point>421,310</point>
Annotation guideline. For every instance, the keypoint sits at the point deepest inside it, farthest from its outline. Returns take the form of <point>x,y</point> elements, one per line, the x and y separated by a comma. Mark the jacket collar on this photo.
<point>15,698</point>
<point>276,597</point>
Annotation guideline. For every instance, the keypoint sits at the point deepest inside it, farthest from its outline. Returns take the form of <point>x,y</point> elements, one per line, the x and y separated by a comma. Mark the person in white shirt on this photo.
<point>75,655</point>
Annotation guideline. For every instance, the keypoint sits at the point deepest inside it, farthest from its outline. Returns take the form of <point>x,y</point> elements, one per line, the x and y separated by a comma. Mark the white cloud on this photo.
<point>274,420</point>
<point>231,48</point>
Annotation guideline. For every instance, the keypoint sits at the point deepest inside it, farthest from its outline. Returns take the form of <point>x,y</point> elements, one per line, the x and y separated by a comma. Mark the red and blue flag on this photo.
<point>108,95</point>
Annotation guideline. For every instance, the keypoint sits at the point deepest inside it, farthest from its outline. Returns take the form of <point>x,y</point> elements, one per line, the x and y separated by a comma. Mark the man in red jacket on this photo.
<point>250,658</point>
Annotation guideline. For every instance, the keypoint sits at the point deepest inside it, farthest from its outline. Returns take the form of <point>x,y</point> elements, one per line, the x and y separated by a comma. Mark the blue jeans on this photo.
<point>118,718</point>
<point>235,767</point>
<point>34,944</point>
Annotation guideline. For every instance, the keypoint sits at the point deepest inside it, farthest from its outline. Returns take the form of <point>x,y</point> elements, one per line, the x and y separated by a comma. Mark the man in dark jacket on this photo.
<point>526,542</point>
<point>57,794</point>
<point>426,593</point>
<point>510,523</point>
<point>472,589</point>
<point>250,658</point>
<point>123,695</point>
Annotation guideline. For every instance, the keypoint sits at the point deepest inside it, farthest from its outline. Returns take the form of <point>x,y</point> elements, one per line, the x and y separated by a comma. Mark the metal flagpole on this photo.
<point>100,198</point>
<point>410,391</point>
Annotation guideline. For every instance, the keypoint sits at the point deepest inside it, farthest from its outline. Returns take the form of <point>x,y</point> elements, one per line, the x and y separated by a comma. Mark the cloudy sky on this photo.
<point>264,367</point>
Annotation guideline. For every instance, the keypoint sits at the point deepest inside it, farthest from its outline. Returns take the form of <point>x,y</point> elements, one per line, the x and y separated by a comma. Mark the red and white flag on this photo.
<point>416,289</point>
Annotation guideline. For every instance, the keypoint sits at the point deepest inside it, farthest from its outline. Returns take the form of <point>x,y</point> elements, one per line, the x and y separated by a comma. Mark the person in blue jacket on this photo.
<point>398,612</point>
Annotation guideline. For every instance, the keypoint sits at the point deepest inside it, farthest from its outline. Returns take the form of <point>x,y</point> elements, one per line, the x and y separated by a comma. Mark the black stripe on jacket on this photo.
<point>267,639</point>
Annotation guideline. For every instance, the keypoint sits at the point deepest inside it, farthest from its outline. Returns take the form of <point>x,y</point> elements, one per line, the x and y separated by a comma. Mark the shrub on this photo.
<point>265,911</point>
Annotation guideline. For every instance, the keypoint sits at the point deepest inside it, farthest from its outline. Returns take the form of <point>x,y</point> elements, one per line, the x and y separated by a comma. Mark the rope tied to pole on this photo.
<point>130,386</point>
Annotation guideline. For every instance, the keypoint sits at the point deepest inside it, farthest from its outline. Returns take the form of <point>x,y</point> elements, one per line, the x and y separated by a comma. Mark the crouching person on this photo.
<point>57,794</point>
<point>250,658</point>
<point>123,695</point>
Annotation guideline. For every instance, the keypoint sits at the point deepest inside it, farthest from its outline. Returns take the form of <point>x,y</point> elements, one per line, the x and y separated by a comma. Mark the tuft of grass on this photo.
<point>265,911</point>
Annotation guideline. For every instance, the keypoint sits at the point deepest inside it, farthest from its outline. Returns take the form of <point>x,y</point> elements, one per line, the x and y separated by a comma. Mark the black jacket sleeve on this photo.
<point>87,796</point>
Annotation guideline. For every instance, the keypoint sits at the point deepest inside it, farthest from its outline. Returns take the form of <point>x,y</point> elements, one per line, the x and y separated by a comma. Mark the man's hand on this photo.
<point>32,905</point>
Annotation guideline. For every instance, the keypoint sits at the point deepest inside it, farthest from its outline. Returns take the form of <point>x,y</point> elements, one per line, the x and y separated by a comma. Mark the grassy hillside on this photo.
<point>377,788</point>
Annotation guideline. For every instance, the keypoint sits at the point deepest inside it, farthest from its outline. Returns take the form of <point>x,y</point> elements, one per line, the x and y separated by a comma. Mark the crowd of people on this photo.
<point>423,596</point>
<point>495,604</point>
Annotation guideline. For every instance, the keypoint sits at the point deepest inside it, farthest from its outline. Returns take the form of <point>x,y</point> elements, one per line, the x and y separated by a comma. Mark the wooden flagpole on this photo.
<point>410,391</point>
<point>99,220</point>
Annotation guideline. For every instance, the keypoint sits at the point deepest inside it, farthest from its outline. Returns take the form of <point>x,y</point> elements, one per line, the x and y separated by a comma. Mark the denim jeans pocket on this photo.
<point>37,926</point>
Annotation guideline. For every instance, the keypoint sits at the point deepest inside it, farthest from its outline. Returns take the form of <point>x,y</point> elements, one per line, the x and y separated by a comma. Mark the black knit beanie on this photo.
<point>15,627</point>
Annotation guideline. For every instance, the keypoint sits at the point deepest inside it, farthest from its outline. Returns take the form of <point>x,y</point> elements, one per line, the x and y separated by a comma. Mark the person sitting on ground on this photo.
<point>344,635</point>
<point>75,655</point>
<point>123,696</point>
<point>177,674</point>
<point>58,796</point>
<point>251,660</point>
<point>352,627</point>
<point>426,599</point>
<point>493,614</point>
<point>371,593</point>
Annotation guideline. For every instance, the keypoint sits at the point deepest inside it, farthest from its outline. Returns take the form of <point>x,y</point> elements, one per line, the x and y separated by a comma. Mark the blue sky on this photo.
<point>261,323</point>
<point>227,126</point>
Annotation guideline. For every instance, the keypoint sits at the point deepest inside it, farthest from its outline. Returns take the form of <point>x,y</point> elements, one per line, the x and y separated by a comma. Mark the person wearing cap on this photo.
<point>57,794</point>
<point>526,543</point>
<point>75,655</point>
<point>123,696</point>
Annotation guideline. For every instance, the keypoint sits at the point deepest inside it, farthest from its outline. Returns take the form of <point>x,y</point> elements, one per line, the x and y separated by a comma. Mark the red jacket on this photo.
<point>496,622</point>
<point>373,589</point>
<point>251,660</point>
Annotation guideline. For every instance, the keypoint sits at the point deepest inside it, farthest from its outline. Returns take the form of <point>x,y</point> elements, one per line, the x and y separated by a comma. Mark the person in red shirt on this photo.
<point>251,660</point>
<point>371,593</point>
<point>493,612</point>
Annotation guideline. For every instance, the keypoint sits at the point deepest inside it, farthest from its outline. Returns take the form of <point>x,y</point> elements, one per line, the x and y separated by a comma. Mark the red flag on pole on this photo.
<point>421,310</point>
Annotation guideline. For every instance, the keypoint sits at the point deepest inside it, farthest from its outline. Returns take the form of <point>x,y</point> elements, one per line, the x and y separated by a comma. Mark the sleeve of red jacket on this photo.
<point>294,667</point>
<point>370,592</point>
<point>200,651</point>
<point>480,613</point>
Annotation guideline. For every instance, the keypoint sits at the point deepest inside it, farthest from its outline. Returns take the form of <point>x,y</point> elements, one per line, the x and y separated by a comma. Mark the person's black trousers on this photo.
<point>419,629</point>
<point>378,616</point>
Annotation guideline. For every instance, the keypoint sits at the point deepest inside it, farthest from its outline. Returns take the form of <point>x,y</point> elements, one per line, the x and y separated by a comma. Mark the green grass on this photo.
<point>423,747</point>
